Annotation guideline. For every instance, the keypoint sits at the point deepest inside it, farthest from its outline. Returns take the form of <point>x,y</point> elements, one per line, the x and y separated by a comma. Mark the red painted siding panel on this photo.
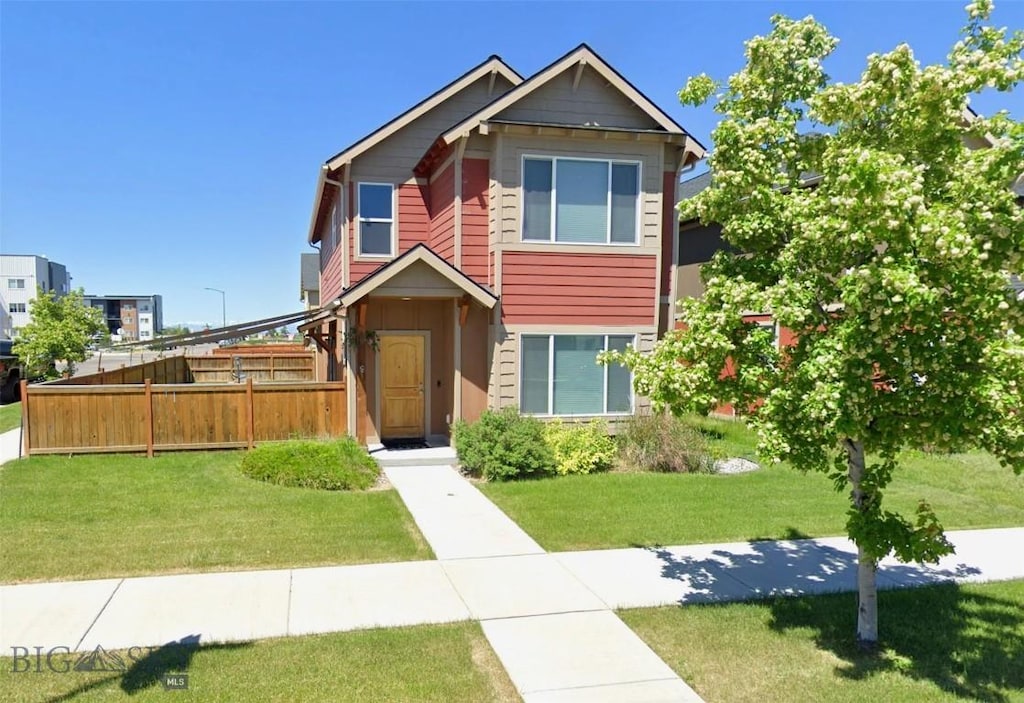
<point>442,214</point>
<point>613,289</point>
<point>668,216</point>
<point>330,277</point>
<point>475,223</point>
<point>413,218</point>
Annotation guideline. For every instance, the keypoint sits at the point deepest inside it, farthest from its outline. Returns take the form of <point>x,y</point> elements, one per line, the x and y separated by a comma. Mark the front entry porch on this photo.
<point>416,349</point>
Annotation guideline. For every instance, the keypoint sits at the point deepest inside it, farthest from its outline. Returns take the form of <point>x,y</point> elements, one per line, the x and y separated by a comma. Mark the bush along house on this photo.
<point>479,250</point>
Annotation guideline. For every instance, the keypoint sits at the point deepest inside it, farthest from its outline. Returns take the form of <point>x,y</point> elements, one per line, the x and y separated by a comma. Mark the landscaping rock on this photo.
<point>735,465</point>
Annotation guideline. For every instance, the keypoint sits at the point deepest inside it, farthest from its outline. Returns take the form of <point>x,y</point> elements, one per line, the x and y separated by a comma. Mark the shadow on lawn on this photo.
<point>968,644</point>
<point>148,668</point>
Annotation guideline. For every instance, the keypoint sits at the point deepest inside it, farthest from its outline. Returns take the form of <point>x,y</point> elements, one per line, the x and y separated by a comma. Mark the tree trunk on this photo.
<point>867,590</point>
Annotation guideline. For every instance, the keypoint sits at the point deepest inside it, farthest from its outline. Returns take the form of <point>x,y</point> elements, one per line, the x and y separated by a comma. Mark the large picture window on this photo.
<point>376,219</point>
<point>580,201</point>
<point>560,375</point>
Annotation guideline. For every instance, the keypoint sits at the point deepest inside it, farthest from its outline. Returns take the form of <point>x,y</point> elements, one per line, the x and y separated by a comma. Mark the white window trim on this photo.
<point>551,374</point>
<point>360,218</point>
<point>553,236</point>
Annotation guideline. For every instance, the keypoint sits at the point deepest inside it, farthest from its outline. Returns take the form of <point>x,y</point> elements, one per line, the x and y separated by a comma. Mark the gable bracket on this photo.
<point>463,310</point>
<point>490,84</point>
<point>579,74</point>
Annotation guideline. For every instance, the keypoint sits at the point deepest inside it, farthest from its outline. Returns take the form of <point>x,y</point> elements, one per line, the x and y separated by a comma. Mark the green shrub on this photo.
<point>663,442</point>
<point>504,445</point>
<point>331,465</point>
<point>580,448</point>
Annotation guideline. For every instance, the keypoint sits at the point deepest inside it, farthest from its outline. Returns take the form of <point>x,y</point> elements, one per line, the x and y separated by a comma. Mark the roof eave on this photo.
<point>311,236</point>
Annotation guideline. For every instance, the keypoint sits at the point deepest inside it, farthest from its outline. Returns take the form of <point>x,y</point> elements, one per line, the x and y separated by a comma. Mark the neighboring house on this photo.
<point>309,280</point>
<point>20,275</point>
<point>480,249</point>
<point>130,318</point>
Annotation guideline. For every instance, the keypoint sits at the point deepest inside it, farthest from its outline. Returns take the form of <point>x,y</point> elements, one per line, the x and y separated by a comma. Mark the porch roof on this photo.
<point>422,254</point>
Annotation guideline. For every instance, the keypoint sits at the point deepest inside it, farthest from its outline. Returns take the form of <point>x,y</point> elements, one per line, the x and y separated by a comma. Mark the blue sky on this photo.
<point>164,147</point>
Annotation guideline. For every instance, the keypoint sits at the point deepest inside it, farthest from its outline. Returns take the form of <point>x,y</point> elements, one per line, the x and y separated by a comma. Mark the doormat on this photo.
<point>400,444</point>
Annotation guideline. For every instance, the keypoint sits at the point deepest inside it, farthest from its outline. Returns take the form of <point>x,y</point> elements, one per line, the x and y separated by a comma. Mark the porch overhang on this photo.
<point>386,280</point>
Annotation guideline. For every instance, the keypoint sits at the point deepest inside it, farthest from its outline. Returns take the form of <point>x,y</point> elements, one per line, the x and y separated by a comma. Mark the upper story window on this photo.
<point>580,201</point>
<point>336,219</point>
<point>19,307</point>
<point>16,283</point>
<point>376,219</point>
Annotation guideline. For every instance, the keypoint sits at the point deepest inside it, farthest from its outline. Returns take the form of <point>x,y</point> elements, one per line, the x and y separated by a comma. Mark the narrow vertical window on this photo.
<point>376,219</point>
<point>537,180</point>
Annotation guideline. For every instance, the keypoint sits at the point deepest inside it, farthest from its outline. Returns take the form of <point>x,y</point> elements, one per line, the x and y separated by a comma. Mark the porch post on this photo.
<point>457,326</point>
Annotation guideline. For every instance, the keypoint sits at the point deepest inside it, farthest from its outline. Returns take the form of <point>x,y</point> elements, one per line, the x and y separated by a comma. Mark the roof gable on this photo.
<point>577,63</point>
<point>398,272</point>
<point>493,65</point>
<point>580,98</point>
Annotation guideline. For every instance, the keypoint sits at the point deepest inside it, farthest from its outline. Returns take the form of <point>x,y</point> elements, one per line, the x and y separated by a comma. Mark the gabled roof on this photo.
<point>493,63</point>
<point>419,253</point>
<point>589,57</point>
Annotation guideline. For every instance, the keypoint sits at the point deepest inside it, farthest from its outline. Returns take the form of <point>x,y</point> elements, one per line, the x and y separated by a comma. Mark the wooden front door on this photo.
<point>401,386</point>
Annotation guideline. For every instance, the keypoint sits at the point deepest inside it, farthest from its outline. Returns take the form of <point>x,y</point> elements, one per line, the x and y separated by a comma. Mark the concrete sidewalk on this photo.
<point>10,445</point>
<point>549,617</point>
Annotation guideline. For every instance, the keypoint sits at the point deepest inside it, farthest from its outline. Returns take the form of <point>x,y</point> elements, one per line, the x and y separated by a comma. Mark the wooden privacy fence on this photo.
<point>259,367</point>
<point>64,419</point>
<point>172,369</point>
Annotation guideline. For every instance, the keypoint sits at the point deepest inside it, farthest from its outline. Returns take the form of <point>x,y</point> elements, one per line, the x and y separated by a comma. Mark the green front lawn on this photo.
<point>10,416</point>
<point>117,515</point>
<point>622,509</point>
<point>939,643</point>
<point>429,663</point>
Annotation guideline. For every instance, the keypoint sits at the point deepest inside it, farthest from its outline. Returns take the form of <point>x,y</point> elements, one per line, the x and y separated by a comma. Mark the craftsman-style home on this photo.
<point>481,248</point>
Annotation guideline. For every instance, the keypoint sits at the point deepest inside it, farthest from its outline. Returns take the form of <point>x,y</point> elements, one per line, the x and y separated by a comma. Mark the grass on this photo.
<point>430,663</point>
<point>621,509</point>
<point>10,416</point>
<point>119,515</point>
<point>938,643</point>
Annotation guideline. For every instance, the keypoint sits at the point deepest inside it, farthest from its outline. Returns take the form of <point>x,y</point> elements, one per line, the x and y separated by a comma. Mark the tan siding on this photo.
<point>393,159</point>
<point>648,154</point>
<point>594,102</point>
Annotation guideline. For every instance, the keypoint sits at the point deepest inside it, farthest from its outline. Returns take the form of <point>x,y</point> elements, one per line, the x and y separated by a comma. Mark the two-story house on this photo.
<point>479,250</point>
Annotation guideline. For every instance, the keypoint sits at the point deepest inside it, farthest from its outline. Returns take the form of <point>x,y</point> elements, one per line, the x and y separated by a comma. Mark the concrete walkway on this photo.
<point>10,445</point>
<point>549,617</point>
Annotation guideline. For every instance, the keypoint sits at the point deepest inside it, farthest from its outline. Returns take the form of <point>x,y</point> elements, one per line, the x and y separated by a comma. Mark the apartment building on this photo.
<point>130,318</point>
<point>20,275</point>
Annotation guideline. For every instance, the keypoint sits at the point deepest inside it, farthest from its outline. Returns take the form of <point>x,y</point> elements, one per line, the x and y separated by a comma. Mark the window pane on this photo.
<point>375,201</point>
<point>582,201</point>
<point>536,199</point>
<point>579,381</point>
<point>375,237</point>
<point>620,391</point>
<point>534,375</point>
<point>625,188</point>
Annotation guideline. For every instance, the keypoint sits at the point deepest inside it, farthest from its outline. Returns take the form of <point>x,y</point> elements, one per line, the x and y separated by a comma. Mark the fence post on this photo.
<point>24,416</point>
<point>250,425</point>
<point>149,417</point>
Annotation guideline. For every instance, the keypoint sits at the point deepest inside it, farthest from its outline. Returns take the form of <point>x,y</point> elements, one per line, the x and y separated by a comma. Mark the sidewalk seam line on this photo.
<point>605,685</point>
<point>288,610</point>
<point>102,610</point>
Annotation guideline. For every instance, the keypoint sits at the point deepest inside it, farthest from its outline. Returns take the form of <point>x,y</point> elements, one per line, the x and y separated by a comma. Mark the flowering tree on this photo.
<point>882,236</point>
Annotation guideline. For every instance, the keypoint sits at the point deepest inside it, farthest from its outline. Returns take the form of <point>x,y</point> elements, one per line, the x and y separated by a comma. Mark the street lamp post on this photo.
<point>223,305</point>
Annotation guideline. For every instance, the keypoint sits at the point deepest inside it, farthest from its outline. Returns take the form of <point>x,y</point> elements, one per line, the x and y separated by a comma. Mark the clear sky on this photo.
<point>165,147</point>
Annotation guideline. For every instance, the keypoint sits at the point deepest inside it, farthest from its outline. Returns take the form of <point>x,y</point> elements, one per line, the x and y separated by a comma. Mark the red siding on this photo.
<point>612,289</point>
<point>442,214</point>
<point>668,216</point>
<point>476,179</point>
<point>330,277</point>
<point>413,218</point>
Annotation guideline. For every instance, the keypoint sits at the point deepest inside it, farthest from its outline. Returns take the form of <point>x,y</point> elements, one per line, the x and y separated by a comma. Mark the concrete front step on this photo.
<point>432,456</point>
